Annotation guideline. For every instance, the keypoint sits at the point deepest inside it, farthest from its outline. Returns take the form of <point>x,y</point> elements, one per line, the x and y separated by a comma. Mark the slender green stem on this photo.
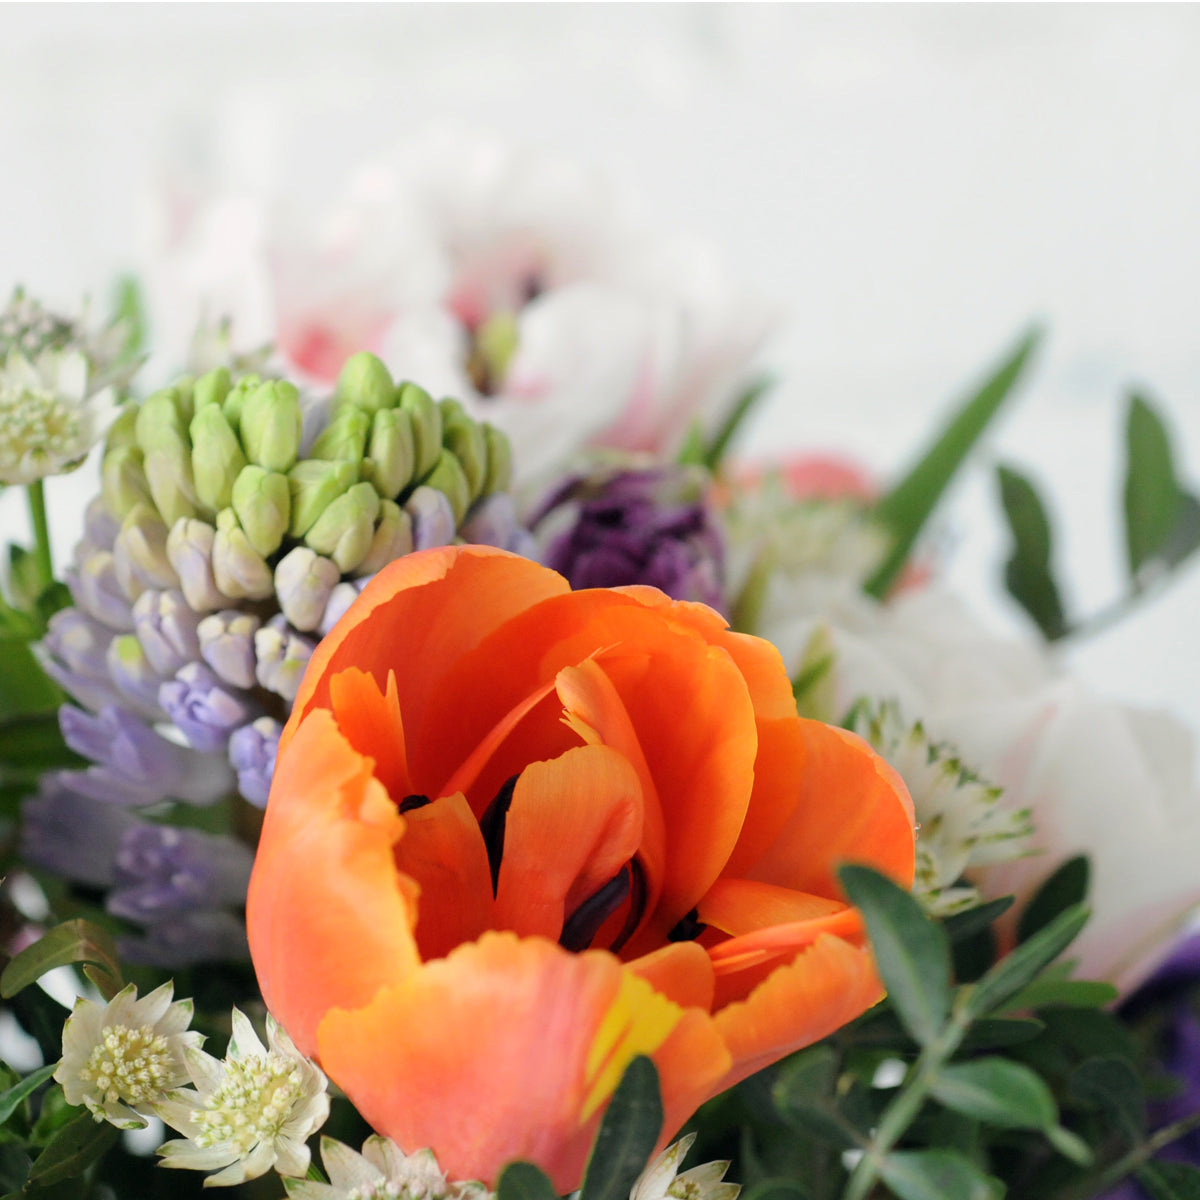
<point>41,533</point>
<point>902,1111</point>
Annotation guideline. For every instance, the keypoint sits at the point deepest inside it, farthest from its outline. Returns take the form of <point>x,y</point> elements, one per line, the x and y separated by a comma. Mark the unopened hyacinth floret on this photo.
<point>237,522</point>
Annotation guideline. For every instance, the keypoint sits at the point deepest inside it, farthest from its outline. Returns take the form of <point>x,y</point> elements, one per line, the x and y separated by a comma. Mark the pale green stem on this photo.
<point>41,533</point>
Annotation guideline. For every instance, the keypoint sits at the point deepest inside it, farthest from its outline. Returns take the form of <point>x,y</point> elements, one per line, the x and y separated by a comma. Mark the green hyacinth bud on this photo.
<point>239,570</point>
<point>391,455</point>
<point>216,457</point>
<point>140,552</point>
<point>211,389</point>
<point>271,425</point>
<point>263,503</point>
<point>392,539</point>
<point>499,472</point>
<point>365,383</point>
<point>303,581</point>
<point>167,455</point>
<point>233,403</point>
<point>464,438</point>
<point>427,427</point>
<point>345,529</point>
<point>123,431</point>
<point>123,481</point>
<point>315,484</point>
<point>345,437</point>
<point>447,477</point>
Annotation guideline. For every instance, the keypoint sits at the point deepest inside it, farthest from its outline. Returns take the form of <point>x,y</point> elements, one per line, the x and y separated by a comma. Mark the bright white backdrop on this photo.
<point>912,184</point>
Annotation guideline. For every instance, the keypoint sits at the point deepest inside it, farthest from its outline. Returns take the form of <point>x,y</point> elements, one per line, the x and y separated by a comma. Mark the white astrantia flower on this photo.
<point>249,1113</point>
<point>381,1172</point>
<point>661,1179</point>
<point>960,825</point>
<point>121,1058</point>
<point>49,417</point>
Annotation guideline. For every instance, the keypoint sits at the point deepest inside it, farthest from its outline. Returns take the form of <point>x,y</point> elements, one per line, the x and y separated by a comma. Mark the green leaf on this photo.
<point>1170,1180</point>
<point>803,1095</point>
<point>906,508</point>
<point>1027,574</point>
<point>15,1096</point>
<point>76,941</point>
<point>1153,496</point>
<point>24,576</point>
<point>72,1150</point>
<point>911,952</point>
<point>1067,886</point>
<point>34,744</point>
<point>129,307</point>
<point>1000,1092</point>
<point>994,1033</point>
<point>776,1189</point>
<point>14,1167</point>
<point>965,924</point>
<point>627,1134</point>
<point>1111,1085</point>
<point>25,689</point>
<point>1070,1145</point>
<point>693,451</point>
<point>1184,538</point>
<point>1071,993</point>
<point>524,1181</point>
<point>937,1175</point>
<point>715,453</point>
<point>1019,967</point>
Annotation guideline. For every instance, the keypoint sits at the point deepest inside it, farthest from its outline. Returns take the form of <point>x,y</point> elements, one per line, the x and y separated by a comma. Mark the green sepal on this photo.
<point>1027,574</point>
<point>627,1135</point>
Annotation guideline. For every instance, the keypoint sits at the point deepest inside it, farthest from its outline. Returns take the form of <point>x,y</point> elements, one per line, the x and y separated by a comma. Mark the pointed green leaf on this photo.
<point>1170,1180</point>
<point>16,1095</point>
<point>1069,993</point>
<point>742,407</point>
<point>803,1095</point>
<point>72,1150</point>
<point>627,1134</point>
<point>911,952</point>
<point>1070,1145</point>
<point>524,1181</point>
<point>1027,574</point>
<point>1018,968</point>
<point>1066,886</point>
<point>994,1033</point>
<point>1184,538</point>
<point>965,924</point>
<point>1152,493</point>
<point>997,1091</point>
<point>693,450</point>
<point>937,1175</point>
<point>76,941</point>
<point>906,508</point>
<point>14,1168</point>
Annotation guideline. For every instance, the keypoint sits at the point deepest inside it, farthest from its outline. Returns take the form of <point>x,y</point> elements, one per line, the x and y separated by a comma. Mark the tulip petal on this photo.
<point>442,850</point>
<point>327,918</point>
<point>573,824</point>
<point>829,983</point>
<point>681,971</point>
<point>509,1046</point>
<point>372,724</point>
<point>853,808</point>
<point>740,906</point>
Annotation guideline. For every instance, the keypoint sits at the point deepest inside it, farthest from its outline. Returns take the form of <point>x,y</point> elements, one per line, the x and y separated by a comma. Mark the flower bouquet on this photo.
<point>522,793</point>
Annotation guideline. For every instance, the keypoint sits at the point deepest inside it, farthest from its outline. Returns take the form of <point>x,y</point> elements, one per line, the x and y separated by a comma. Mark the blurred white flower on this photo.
<point>493,273</point>
<point>1100,778</point>
<point>120,1058</point>
<point>251,1112</point>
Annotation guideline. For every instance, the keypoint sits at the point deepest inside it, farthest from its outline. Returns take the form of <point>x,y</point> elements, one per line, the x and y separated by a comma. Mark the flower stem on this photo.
<point>41,534</point>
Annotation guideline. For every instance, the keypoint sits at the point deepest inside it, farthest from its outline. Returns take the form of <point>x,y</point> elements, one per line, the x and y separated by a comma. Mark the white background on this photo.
<point>914,185</point>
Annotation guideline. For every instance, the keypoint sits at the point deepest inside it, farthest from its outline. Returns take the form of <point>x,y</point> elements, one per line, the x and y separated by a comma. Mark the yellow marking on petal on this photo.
<point>638,1022</point>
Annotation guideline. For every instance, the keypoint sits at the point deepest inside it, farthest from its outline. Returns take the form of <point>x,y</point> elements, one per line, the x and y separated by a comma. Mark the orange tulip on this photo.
<point>518,835</point>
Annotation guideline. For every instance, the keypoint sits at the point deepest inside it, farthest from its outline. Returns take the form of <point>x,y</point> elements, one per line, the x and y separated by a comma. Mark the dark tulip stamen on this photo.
<point>688,928</point>
<point>584,923</point>
<point>637,905</point>
<point>492,824</point>
<point>413,801</point>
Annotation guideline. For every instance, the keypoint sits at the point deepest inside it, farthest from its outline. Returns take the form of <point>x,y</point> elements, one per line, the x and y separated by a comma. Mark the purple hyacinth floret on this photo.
<point>204,712</point>
<point>252,753</point>
<point>650,526</point>
<point>163,871</point>
<point>210,935</point>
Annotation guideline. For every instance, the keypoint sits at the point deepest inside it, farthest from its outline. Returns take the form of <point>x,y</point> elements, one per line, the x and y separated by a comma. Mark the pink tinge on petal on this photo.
<point>818,477</point>
<point>321,350</point>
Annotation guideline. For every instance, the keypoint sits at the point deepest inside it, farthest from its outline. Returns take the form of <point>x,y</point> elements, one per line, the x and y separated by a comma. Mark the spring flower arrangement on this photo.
<point>444,770</point>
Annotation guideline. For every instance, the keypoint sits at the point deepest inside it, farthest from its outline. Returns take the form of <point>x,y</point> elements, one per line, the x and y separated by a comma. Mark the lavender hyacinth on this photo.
<point>650,526</point>
<point>232,531</point>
